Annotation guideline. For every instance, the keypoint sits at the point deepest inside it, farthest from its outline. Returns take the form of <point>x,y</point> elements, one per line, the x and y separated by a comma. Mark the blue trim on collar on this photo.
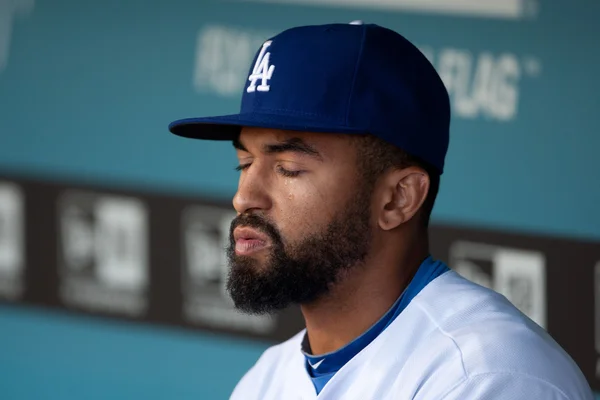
<point>326,365</point>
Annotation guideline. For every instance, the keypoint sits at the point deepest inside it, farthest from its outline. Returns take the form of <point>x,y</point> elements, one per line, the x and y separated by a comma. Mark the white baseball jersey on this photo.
<point>455,341</point>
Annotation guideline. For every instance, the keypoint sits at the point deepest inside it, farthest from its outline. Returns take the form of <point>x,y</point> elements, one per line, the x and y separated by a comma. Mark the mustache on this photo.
<point>257,222</point>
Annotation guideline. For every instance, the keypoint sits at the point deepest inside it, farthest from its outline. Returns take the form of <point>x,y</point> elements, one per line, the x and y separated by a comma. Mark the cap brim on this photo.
<point>227,127</point>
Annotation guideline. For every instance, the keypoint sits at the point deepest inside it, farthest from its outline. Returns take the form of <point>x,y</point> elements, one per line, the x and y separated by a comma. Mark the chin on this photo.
<point>256,262</point>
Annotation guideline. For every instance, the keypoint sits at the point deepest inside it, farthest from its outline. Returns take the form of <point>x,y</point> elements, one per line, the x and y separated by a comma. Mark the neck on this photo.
<point>360,299</point>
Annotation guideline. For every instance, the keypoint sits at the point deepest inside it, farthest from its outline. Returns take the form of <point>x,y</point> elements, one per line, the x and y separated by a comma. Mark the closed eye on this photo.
<point>287,172</point>
<point>242,167</point>
<point>280,169</point>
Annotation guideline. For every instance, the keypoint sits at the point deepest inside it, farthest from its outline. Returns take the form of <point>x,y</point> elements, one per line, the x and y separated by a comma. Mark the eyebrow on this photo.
<point>238,144</point>
<point>294,145</point>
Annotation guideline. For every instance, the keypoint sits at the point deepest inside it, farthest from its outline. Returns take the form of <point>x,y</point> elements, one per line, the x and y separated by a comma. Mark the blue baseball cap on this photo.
<point>340,78</point>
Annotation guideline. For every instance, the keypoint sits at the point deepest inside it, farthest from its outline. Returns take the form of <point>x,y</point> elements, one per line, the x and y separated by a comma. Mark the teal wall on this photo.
<point>87,90</point>
<point>54,356</point>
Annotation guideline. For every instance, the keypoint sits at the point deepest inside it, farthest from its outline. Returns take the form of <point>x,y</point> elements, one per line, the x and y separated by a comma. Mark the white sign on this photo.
<point>12,252</point>
<point>502,9</point>
<point>204,273</point>
<point>519,275</point>
<point>8,10</point>
<point>103,245</point>
<point>481,85</point>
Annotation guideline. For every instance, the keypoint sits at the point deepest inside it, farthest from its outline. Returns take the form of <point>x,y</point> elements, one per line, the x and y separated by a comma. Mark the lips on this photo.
<point>249,241</point>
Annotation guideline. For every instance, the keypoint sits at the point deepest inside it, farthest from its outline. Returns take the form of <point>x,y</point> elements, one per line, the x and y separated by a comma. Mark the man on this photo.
<point>341,142</point>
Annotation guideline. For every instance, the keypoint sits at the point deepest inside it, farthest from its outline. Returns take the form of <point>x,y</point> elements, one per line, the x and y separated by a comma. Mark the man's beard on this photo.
<point>303,272</point>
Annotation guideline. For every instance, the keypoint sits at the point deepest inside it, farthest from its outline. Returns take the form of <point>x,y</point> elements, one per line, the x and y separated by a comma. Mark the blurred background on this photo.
<point>112,229</point>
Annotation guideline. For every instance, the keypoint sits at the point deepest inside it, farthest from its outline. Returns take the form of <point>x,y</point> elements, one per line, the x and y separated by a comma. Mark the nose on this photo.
<point>252,193</point>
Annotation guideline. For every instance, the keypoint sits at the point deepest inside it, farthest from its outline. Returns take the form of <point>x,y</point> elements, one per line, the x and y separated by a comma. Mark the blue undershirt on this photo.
<point>323,367</point>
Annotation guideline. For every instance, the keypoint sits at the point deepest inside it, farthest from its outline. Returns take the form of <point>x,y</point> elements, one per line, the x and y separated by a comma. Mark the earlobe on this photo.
<point>405,191</point>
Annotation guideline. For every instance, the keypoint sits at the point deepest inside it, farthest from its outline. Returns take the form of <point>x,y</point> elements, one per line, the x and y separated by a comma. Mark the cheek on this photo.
<point>303,209</point>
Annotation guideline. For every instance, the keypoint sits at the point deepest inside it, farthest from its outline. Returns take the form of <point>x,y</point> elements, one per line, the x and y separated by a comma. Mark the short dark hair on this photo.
<point>377,156</point>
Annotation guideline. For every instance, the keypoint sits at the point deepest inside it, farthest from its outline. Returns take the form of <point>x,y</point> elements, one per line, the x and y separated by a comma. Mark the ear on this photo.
<point>403,192</point>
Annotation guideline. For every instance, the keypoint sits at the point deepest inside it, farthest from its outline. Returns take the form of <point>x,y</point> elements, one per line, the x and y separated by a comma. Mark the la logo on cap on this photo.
<point>262,71</point>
